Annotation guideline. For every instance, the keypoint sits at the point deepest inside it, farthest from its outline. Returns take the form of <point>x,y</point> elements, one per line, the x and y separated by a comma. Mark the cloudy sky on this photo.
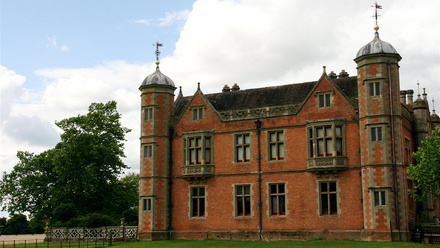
<point>57,57</point>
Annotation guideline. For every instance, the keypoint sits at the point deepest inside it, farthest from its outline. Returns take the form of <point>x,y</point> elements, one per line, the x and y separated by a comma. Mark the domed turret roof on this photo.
<point>376,46</point>
<point>157,78</point>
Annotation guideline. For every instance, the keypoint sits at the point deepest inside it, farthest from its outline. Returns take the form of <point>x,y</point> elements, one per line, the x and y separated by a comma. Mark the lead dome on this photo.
<point>157,78</point>
<point>376,46</point>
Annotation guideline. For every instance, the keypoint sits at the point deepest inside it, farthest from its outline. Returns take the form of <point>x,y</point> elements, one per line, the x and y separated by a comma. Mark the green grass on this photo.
<point>272,244</point>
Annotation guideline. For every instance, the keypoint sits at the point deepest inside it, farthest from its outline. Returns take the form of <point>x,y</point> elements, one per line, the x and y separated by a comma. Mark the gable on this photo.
<point>331,98</point>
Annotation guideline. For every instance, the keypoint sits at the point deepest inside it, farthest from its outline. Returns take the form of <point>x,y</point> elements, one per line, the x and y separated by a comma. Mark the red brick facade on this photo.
<point>333,158</point>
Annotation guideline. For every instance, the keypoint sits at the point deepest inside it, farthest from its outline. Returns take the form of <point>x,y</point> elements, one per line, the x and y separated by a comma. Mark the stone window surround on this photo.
<point>190,203</point>
<point>185,150</point>
<point>147,203</point>
<point>277,143</point>
<point>150,109</point>
<point>324,104</point>
<point>235,152</point>
<point>338,199</point>
<point>322,123</point>
<point>386,189</point>
<point>144,147</point>
<point>197,113</point>
<point>269,200</point>
<point>234,201</point>
<point>382,125</point>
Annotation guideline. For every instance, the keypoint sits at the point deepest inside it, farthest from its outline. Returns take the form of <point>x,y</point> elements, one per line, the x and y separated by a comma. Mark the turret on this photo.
<point>157,97</point>
<point>380,136</point>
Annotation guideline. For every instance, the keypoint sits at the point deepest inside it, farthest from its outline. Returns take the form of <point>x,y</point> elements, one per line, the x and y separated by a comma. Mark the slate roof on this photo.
<point>290,94</point>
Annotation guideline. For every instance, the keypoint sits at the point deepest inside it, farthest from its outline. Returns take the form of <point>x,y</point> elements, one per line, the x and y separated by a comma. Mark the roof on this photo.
<point>157,78</point>
<point>376,46</point>
<point>290,97</point>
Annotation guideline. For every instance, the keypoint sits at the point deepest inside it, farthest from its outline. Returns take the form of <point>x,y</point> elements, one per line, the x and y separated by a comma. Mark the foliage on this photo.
<point>96,220</point>
<point>427,170</point>
<point>78,176</point>
<point>37,225</point>
<point>17,224</point>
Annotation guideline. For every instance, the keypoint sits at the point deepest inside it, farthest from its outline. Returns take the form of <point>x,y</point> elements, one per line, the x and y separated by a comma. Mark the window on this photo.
<point>242,148</point>
<point>197,150</point>
<point>243,200</point>
<point>380,198</point>
<point>147,204</point>
<point>376,133</point>
<point>198,202</point>
<point>148,151</point>
<point>375,89</point>
<point>197,113</point>
<point>325,140</point>
<point>324,100</point>
<point>276,145</point>
<point>277,196</point>
<point>328,198</point>
<point>148,114</point>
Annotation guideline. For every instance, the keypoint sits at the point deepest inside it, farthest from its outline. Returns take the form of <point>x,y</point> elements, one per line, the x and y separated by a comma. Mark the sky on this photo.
<point>57,57</point>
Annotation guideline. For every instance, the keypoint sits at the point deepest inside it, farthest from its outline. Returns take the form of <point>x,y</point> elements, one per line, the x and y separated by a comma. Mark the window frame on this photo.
<point>374,89</point>
<point>196,151</point>
<point>324,99</point>
<point>147,203</point>
<point>198,201</point>
<point>243,209</point>
<point>149,113</point>
<point>148,151</point>
<point>197,113</point>
<point>330,196</point>
<point>280,199</point>
<point>376,133</point>
<point>380,198</point>
<point>320,143</point>
<point>242,150</point>
<point>278,144</point>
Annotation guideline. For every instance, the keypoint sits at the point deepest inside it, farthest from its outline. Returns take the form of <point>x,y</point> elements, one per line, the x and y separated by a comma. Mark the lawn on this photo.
<point>272,244</point>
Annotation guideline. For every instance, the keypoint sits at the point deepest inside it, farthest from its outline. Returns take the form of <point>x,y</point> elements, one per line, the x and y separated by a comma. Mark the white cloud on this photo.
<point>64,48</point>
<point>53,43</point>
<point>253,43</point>
<point>170,19</point>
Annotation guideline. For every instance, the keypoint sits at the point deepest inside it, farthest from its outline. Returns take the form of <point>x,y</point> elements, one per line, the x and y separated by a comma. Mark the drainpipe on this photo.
<point>393,153</point>
<point>260,204</point>
<point>170,185</point>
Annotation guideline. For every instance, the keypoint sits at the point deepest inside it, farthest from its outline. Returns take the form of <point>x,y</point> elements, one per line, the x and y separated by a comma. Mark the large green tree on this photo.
<point>79,174</point>
<point>426,172</point>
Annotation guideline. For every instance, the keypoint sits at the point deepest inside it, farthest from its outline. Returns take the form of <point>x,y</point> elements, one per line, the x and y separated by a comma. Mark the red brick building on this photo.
<point>321,159</point>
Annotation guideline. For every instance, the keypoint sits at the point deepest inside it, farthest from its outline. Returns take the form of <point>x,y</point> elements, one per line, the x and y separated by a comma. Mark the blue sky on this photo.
<point>72,34</point>
<point>57,57</point>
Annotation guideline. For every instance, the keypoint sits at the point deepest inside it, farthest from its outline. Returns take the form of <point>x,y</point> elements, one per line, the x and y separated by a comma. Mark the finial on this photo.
<point>376,7</point>
<point>323,68</point>
<point>157,52</point>
<point>418,88</point>
<point>198,86</point>
<point>433,107</point>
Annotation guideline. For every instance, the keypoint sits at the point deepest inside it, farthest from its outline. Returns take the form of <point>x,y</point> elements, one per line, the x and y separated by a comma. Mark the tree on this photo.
<point>427,170</point>
<point>17,224</point>
<point>80,173</point>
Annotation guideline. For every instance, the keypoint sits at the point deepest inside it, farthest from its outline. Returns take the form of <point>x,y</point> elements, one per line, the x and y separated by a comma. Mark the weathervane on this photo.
<point>376,7</point>
<point>157,52</point>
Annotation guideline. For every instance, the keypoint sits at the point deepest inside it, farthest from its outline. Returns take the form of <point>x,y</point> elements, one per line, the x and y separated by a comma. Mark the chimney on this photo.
<point>424,95</point>
<point>403,96</point>
<point>343,74</point>
<point>235,87</point>
<point>410,96</point>
<point>226,88</point>
<point>332,75</point>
